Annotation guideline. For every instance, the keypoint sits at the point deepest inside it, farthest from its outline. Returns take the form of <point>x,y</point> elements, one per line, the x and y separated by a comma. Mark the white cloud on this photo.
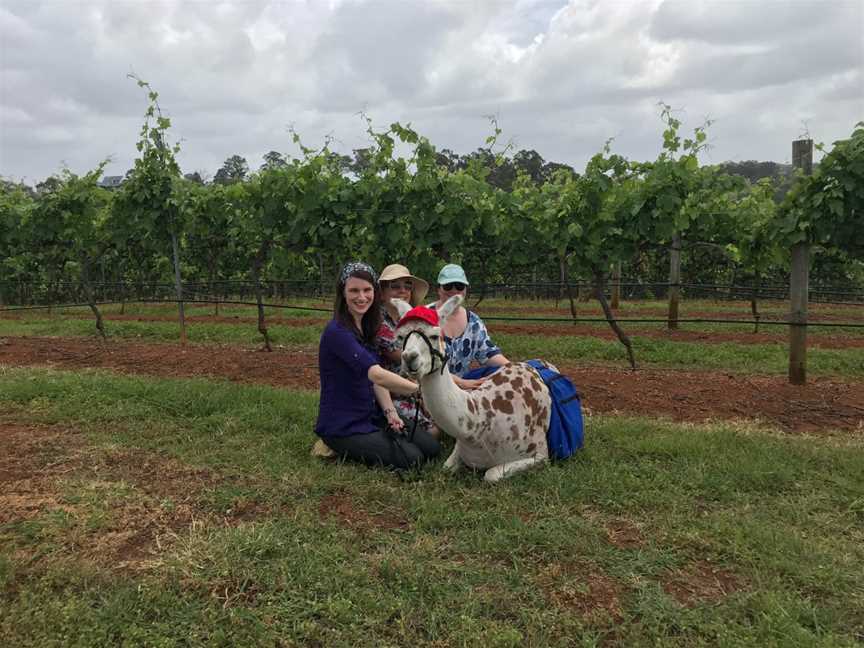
<point>562,77</point>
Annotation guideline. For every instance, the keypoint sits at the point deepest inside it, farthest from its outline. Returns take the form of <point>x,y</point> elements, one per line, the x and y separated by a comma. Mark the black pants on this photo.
<point>386,448</point>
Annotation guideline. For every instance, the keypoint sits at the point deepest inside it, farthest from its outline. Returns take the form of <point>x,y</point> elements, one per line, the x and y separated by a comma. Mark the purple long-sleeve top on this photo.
<point>347,401</point>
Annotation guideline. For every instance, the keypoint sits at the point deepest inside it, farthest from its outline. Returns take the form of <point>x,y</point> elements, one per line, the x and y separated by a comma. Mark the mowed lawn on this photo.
<point>138,511</point>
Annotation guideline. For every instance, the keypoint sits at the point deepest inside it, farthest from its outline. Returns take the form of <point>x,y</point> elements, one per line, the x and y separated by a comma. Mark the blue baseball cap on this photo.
<point>452,273</point>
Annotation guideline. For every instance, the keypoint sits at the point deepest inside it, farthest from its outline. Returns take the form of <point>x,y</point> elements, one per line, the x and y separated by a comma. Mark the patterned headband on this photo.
<point>356,266</point>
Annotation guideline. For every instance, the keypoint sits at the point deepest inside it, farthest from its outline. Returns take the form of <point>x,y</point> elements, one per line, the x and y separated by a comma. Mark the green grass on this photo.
<point>156,331</point>
<point>528,562</point>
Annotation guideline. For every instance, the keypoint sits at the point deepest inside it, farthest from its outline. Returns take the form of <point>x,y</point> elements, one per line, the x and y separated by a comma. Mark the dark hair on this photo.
<point>372,318</point>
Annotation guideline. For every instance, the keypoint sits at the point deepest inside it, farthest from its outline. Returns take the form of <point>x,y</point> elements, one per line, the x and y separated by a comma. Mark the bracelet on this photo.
<point>389,410</point>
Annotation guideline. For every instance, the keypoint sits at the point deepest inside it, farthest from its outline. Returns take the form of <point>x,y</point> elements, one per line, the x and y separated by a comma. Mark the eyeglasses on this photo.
<point>456,285</point>
<point>400,285</point>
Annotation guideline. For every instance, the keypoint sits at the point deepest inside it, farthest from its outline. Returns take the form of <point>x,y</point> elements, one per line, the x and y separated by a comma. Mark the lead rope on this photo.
<point>418,400</point>
<point>393,435</point>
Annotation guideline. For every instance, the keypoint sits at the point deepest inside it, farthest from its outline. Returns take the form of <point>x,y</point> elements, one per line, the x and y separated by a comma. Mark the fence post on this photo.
<point>674,280</point>
<point>798,289</point>
<point>799,280</point>
<point>178,286</point>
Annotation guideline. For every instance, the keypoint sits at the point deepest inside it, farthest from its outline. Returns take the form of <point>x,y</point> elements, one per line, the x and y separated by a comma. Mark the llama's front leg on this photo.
<point>501,471</point>
<point>454,461</point>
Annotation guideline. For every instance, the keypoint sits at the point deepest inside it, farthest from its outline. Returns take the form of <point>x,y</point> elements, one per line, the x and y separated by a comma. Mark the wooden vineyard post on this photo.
<point>616,285</point>
<point>674,281</point>
<point>179,287</point>
<point>799,282</point>
<point>798,290</point>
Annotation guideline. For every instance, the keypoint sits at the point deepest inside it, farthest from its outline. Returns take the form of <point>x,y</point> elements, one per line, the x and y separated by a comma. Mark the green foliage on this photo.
<point>659,207</point>
<point>827,208</point>
<point>423,207</point>
<point>146,203</point>
<point>15,208</point>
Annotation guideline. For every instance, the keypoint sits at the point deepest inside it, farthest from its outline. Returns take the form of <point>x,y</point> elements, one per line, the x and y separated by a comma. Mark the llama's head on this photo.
<point>420,337</point>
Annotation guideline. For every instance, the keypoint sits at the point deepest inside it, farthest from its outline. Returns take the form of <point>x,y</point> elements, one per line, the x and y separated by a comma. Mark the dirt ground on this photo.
<point>823,406</point>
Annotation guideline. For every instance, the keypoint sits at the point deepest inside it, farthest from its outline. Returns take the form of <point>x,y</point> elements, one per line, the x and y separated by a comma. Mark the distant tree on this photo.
<point>362,160</point>
<point>500,170</point>
<point>195,177</point>
<point>449,160</point>
<point>531,163</point>
<point>48,185</point>
<point>341,162</point>
<point>274,160</point>
<point>755,171</point>
<point>233,170</point>
<point>550,168</point>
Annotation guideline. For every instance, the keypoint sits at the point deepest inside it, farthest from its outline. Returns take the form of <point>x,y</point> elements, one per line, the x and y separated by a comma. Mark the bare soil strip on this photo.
<point>823,406</point>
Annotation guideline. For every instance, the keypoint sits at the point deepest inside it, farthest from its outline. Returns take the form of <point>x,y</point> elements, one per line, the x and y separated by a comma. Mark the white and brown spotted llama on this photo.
<point>499,427</point>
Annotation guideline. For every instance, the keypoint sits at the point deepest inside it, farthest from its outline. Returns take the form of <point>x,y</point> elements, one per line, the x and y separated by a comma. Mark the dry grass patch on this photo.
<point>32,461</point>
<point>584,589</point>
<point>701,582</point>
<point>624,534</point>
<point>349,514</point>
<point>118,508</point>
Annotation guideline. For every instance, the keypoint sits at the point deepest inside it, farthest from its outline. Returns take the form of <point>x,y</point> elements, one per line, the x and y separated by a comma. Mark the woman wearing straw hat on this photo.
<point>398,282</point>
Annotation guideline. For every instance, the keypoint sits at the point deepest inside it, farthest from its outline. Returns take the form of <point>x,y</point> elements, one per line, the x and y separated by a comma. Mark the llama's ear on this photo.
<point>401,305</point>
<point>448,308</point>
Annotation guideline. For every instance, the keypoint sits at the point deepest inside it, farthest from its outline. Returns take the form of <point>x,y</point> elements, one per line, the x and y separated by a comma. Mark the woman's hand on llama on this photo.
<point>470,384</point>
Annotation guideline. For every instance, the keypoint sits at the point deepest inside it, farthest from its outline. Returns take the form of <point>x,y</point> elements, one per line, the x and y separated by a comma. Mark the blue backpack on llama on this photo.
<point>566,431</point>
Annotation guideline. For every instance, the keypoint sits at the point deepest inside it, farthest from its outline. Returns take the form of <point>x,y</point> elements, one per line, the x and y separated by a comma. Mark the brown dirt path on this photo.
<point>825,404</point>
<point>240,364</point>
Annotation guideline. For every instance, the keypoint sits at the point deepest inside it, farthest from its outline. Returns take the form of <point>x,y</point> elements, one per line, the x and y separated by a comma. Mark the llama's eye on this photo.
<point>400,339</point>
<point>433,337</point>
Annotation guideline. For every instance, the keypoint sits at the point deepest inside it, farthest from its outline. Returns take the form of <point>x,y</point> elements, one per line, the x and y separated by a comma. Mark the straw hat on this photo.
<point>396,271</point>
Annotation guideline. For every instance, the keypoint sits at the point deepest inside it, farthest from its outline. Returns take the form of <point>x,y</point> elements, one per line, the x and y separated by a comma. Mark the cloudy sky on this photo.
<point>561,76</point>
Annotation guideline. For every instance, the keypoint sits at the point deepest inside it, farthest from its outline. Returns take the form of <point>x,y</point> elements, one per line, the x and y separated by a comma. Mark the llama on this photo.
<point>499,427</point>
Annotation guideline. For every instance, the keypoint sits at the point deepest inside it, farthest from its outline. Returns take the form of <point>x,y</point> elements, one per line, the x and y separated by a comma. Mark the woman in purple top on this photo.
<point>356,417</point>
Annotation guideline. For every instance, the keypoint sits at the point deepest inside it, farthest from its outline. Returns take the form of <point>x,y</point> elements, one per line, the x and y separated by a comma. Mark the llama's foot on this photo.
<point>454,461</point>
<point>501,471</point>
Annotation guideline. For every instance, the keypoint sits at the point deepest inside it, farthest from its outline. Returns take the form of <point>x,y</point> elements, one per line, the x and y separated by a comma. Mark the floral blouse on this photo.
<point>387,342</point>
<point>474,345</point>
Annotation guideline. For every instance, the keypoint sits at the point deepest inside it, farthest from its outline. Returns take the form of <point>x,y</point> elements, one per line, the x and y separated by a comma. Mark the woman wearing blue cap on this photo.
<point>356,417</point>
<point>465,333</point>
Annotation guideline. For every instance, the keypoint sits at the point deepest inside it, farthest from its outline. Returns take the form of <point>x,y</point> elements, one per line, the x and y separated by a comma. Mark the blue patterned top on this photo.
<point>474,345</point>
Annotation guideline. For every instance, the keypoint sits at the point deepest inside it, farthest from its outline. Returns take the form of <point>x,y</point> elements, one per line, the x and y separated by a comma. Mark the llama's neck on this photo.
<point>446,402</point>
